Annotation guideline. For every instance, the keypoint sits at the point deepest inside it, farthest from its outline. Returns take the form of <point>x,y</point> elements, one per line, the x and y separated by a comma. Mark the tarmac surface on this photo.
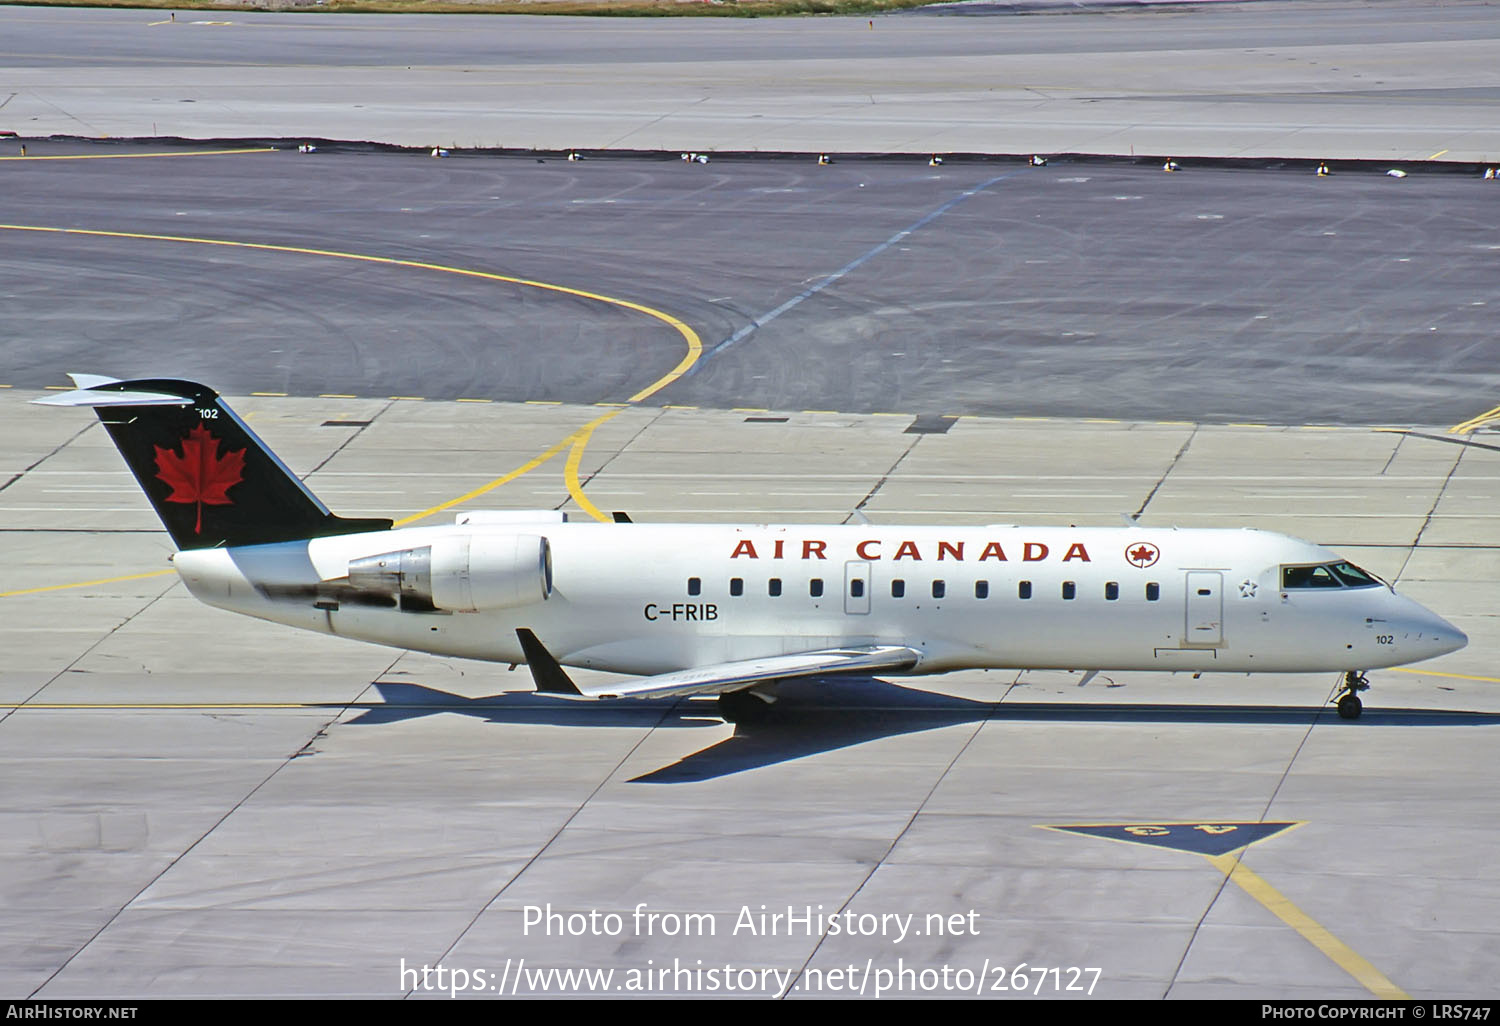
<point>197,804</point>
<point>1079,289</point>
<point>1404,80</point>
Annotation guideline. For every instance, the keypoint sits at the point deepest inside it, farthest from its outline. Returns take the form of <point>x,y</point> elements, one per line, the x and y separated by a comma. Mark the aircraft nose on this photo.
<point>1451,639</point>
<point>1434,635</point>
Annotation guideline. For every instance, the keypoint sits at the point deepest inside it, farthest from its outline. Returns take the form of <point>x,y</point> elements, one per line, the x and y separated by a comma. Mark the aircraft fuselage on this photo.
<point>652,598</point>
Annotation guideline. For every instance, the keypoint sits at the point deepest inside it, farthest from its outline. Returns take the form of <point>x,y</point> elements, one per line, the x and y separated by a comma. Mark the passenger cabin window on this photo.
<point>1070,589</point>
<point>856,588</point>
<point>695,585</point>
<point>815,587</point>
<point>1112,590</point>
<point>981,589</point>
<point>1153,592</point>
<point>898,589</point>
<point>774,587</point>
<point>736,586</point>
<point>1331,575</point>
<point>939,589</point>
<point>1023,590</point>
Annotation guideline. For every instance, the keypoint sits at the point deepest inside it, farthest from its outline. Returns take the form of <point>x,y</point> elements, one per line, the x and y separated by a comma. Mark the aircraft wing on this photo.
<point>718,678</point>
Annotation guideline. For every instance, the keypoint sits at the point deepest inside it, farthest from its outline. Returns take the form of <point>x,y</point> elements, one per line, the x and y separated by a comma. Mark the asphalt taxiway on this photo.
<point>1098,289</point>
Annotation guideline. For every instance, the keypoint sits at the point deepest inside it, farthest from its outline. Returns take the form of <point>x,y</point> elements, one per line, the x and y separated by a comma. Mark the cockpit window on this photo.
<point>1334,575</point>
<point>1307,577</point>
<point>1353,576</point>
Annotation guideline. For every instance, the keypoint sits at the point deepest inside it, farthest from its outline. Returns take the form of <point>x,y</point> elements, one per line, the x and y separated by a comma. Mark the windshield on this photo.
<point>1331,575</point>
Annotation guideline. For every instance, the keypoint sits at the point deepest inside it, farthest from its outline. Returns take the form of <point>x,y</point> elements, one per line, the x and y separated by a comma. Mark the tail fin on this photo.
<point>212,481</point>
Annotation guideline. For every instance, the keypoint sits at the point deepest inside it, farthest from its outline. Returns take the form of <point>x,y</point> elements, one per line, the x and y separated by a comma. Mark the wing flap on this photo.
<point>718,678</point>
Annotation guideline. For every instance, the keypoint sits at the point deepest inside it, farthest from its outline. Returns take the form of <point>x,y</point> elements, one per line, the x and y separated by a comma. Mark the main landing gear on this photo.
<point>743,706</point>
<point>1348,703</point>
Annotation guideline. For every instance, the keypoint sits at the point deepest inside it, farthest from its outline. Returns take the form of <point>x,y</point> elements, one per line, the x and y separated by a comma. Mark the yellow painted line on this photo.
<point>892,414</point>
<point>7,386</point>
<point>1031,418</point>
<point>336,395</point>
<point>830,412</point>
<point>476,400</point>
<point>504,479</point>
<point>575,457</point>
<point>671,407</point>
<point>138,156</point>
<point>543,402</point>
<point>1438,154</point>
<point>1312,931</point>
<point>747,409</point>
<point>87,706</point>
<point>620,405</point>
<point>85,584</point>
<point>54,706</point>
<point>1475,422</point>
<point>578,439</point>
<point>408,398</point>
<point>694,343</point>
<point>1435,673</point>
<point>270,394</point>
<point>1244,424</point>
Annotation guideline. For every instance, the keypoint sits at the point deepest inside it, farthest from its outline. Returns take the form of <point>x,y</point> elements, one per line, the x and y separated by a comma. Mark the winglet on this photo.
<point>549,676</point>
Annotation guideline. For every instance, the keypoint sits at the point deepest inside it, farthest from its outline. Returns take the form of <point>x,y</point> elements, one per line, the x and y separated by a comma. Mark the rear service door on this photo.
<point>1205,608</point>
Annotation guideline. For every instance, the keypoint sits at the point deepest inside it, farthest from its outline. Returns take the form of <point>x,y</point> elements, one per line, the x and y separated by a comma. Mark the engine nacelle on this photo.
<point>462,573</point>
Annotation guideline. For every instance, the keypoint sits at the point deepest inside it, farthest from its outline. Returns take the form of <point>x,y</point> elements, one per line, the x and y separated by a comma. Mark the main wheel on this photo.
<point>741,707</point>
<point>1350,707</point>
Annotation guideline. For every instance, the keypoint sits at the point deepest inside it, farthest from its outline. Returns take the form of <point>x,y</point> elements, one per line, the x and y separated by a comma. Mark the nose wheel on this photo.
<point>1347,702</point>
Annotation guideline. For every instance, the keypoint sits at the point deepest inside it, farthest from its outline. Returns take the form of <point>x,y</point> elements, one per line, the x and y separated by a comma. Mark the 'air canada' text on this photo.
<point>875,549</point>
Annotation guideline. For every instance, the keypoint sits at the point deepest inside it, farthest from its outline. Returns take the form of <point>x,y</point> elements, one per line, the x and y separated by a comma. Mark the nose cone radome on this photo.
<point>1433,636</point>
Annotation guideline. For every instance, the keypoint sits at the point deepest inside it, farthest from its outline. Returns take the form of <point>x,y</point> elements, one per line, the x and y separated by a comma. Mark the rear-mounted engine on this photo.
<point>461,574</point>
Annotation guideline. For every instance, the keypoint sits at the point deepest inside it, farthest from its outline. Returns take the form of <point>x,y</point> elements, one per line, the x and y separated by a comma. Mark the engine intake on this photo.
<point>462,574</point>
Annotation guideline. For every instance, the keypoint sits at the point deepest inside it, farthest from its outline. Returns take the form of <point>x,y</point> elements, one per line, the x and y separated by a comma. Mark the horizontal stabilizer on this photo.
<point>87,397</point>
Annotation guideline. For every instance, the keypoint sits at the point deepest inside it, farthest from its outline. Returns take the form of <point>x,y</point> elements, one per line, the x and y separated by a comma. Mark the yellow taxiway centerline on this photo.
<point>84,584</point>
<point>142,156</point>
<point>1435,673</point>
<point>1315,933</point>
<point>577,440</point>
<point>1475,423</point>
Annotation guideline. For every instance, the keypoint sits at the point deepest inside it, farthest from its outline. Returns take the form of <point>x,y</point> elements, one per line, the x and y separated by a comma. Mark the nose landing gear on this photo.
<point>1347,701</point>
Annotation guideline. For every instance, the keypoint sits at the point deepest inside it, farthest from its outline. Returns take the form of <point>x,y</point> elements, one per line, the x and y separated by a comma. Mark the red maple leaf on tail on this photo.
<point>200,474</point>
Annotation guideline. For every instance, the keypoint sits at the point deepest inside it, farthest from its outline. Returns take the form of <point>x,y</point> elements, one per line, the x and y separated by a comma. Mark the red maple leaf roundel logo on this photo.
<point>200,474</point>
<point>1142,554</point>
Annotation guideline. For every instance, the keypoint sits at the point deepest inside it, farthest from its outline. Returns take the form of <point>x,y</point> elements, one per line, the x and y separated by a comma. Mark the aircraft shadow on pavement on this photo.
<point>812,717</point>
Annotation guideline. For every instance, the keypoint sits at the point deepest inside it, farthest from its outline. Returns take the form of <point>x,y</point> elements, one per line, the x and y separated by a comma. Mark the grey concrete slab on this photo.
<point>1398,81</point>
<point>407,806</point>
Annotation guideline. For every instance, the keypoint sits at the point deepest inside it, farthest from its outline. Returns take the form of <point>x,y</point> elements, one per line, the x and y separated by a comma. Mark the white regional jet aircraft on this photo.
<point>730,610</point>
